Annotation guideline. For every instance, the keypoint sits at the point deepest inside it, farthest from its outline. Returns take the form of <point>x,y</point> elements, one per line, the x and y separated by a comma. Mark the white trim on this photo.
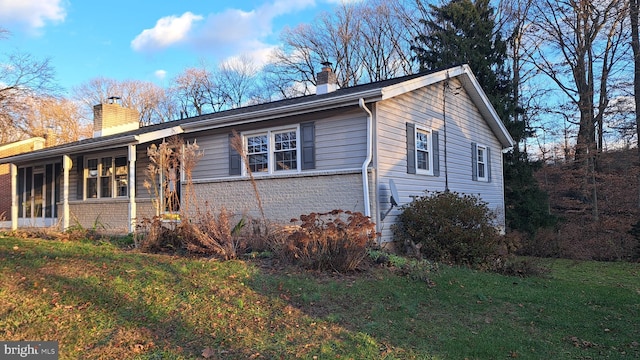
<point>85,174</point>
<point>66,166</point>
<point>470,84</point>
<point>270,132</point>
<point>484,162</point>
<point>158,134</point>
<point>38,143</point>
<point>306,173</point>
<point>429,133</point>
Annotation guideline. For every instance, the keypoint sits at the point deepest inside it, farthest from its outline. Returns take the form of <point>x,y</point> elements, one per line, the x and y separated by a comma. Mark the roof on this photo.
<point>371,92</point>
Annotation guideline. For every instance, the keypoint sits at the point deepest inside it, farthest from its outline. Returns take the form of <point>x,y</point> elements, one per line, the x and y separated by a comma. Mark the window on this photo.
<point>481,165</point>
<point>422,150</point>
<point>258,153</point>
<point>92,178</point>
<point>106,177</point>
<point>121,176</point>
<point>272,151</point>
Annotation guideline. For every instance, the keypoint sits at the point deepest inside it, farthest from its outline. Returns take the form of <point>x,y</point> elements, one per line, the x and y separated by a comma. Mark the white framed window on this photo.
<point>481,162</point>
<point>273,151</point>
<point>424,151</point>
<point>106,177</point>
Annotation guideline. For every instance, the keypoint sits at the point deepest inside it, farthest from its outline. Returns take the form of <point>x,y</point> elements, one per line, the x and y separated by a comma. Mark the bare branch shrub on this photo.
<point>213,235</point>
<point>236,144</point>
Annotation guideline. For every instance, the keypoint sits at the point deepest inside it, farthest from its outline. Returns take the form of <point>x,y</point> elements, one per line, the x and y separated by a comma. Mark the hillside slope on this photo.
<point>590,230</point>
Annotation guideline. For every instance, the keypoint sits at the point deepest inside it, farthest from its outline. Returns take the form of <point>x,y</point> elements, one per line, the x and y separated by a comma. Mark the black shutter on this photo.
<point>308,142</point>
<point>488,165</point>
<point>436,153</point>
<point>474,161</point>
<point>411,148</point>
<point>234,159</point>
<point>79,177</point>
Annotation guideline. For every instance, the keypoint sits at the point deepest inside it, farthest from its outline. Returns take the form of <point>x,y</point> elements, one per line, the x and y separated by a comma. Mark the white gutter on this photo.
<point>365,164</point>
<point>69,149</point>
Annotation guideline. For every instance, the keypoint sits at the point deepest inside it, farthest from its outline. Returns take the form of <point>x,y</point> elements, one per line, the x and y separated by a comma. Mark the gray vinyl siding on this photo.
<point>142,163</point>
<point>340,143</point>
<point>464,126</point>
<point>215,160</point>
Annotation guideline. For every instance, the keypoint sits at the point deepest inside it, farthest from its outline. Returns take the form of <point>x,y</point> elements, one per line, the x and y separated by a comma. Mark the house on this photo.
<point>336,149</point>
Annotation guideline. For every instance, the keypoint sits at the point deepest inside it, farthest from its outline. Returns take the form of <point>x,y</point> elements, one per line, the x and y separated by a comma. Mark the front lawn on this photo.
<point>101,302</point>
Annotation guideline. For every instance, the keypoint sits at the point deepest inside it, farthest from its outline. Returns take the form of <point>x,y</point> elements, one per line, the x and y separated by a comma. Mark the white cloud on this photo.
<point>33,14</point>
<point>225,34</point>
<point>169,30</point>
<point>234,31</point>
<point>160,74</point>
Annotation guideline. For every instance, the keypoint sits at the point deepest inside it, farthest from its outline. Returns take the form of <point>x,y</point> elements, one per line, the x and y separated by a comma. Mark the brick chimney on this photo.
<point>51,138</point>
<point>327,81</point>
<point>111,118</point>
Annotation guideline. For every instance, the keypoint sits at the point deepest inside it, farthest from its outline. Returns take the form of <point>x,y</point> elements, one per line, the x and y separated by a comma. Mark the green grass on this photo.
<point>101,302</point>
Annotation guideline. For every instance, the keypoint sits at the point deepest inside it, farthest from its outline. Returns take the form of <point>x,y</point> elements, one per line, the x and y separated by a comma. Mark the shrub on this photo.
<point>450,227</point>
<point>213,235</point>
<point>155,235</point>
<point>324,241</point>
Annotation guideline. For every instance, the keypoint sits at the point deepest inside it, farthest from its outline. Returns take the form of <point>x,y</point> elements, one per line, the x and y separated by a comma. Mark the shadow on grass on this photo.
<point>102,303</point>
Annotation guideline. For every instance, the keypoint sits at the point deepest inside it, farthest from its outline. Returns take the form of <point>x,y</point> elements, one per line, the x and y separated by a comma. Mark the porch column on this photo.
<point>14,196</point>
<point>66,166</point>
<point>133,214</point>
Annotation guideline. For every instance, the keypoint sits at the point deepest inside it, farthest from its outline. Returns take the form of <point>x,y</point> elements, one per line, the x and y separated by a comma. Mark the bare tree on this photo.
<point>635,46</point>
<point>577,44</point>
<point>192,89</point>
<point>22,77</point>
<point>237,80</point>
<point>366,41</point>
<point>149,99</point>
<point>386,40</point>
<point>56,119</point>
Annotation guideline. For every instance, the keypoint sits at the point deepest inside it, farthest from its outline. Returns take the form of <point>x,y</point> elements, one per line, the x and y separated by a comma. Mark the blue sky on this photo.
<point>146,40</point>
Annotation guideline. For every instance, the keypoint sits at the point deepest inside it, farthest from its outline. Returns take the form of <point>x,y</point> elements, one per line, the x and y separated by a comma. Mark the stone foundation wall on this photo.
<point>282,198</point>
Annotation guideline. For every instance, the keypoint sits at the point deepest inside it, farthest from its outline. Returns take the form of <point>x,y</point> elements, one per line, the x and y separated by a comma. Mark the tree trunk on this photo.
<point>635,45</point>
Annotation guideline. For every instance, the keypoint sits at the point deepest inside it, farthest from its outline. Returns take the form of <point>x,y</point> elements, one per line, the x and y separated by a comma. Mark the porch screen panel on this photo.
<point>58,188</point>
<point>106,172</point>
<point>92,178</point>
<point>27,198</point>
<point>122,176</point>
<point>48,195</point>
<point>21,194</point>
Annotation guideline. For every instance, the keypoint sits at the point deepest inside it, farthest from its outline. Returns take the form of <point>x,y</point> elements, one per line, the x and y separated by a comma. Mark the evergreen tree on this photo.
<point>465,31</point>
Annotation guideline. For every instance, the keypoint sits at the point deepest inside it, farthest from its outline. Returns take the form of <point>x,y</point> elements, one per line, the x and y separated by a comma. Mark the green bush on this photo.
<point>325,241</point>
<point>450,227</point>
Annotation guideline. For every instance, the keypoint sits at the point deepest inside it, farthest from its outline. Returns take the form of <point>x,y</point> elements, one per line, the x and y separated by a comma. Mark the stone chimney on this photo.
<point>111,118</point>
<point>327,81</point>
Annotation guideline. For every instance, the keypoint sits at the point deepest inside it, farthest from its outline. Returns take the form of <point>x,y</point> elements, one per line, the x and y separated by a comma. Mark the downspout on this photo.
<point>367,160</point>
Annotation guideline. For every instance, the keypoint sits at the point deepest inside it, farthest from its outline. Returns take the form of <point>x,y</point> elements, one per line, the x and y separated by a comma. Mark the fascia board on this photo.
<point>479,97</point>
<point>22,142</point>
<point>471,85</point>
<point>158,134</point>
<point>422,81</point>
<point>70,149</point>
